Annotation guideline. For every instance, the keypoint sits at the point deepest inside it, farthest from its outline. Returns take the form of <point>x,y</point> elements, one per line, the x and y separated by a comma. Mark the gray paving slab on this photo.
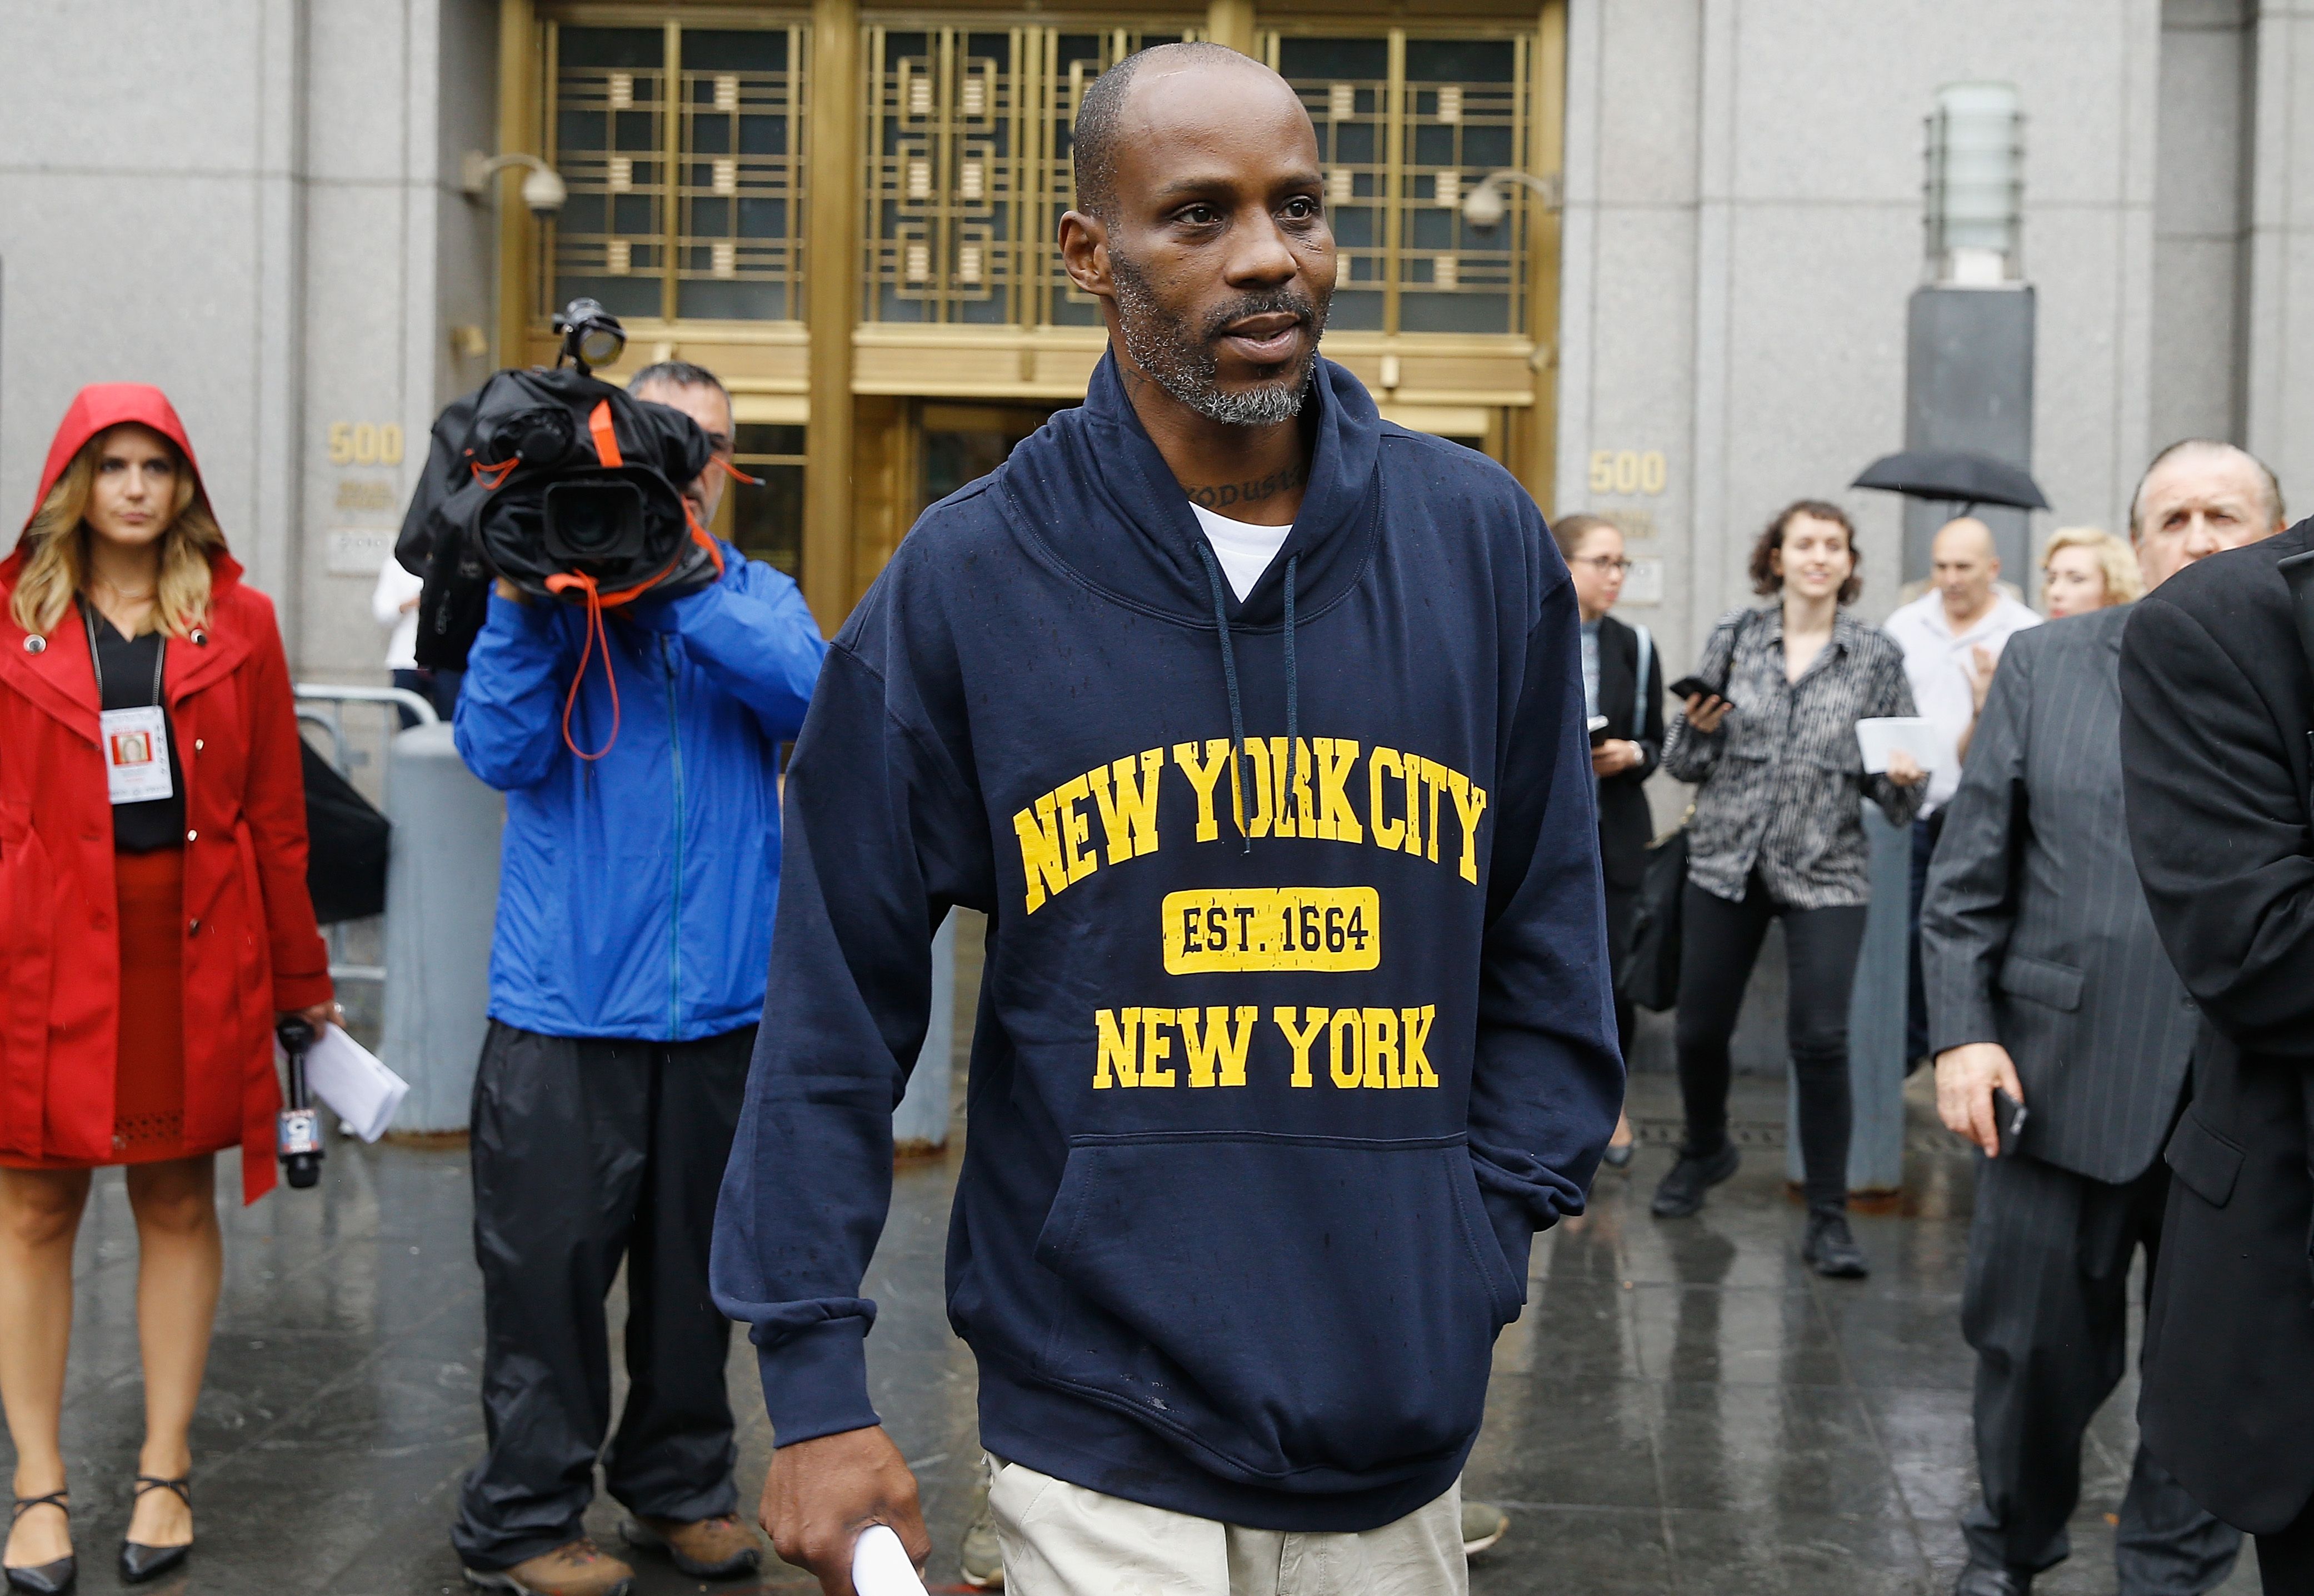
<point>1683,1408</point>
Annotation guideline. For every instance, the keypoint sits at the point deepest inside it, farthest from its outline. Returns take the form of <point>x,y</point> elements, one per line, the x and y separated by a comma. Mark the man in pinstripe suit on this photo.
<point>2046,977</point>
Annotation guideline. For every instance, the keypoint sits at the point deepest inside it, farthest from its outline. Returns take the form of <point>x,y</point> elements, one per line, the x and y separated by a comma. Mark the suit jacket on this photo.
<point>2217,707</point>
<point>2033,931</point>
<point>1626,827</point>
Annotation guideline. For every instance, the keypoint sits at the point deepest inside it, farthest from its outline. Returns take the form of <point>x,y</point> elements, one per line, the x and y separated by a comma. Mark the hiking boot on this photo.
<point>1483,1524</point>
<point>1832,1249</point>
<point>1682,1191</point>
<point>579,1568</point>
<point>983,1558</point>
<point>720,1548</point>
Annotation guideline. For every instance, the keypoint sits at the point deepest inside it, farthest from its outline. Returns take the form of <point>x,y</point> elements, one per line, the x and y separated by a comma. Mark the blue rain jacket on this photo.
<point>636,891</point>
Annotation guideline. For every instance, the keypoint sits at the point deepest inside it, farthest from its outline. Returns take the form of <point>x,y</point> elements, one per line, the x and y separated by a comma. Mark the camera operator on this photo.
<point>626,977</point>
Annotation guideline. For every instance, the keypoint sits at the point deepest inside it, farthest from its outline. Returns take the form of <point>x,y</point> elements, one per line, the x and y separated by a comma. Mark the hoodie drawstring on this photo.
<point>1293,684</point>
<point>1229,676</point>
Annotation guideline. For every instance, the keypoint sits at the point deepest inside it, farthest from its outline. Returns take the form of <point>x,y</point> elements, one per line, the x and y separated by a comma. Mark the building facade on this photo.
<point>848,211</point>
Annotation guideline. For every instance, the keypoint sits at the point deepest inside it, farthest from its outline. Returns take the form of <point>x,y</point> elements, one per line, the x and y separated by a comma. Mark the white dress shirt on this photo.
<point>396,588</point>
<point>1937,661</point>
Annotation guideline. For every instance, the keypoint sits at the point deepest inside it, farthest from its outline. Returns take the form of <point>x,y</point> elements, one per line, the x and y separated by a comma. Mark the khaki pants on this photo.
<point>1061,1539</point>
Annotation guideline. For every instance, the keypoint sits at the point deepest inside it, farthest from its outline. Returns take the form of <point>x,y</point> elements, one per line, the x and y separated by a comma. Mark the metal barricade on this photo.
<point>323,705</point>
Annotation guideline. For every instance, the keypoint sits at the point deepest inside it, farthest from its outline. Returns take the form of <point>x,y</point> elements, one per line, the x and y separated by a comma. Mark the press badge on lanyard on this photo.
<point>135,741</point>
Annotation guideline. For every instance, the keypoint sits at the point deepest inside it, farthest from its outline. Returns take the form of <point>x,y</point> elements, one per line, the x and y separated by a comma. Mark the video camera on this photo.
<point>559,483</point>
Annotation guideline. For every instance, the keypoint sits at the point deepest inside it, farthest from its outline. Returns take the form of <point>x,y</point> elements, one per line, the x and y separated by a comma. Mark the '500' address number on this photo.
<point>1272,928</point>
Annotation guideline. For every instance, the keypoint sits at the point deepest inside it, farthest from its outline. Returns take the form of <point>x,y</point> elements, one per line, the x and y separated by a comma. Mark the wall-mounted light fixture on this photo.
<point>1975,187</point>
<point>1488,201</point>
<point>542,188</point>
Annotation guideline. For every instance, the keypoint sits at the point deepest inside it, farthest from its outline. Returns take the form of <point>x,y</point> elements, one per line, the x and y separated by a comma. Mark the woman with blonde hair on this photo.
<point>2085,568</point>
<point>154,922</point>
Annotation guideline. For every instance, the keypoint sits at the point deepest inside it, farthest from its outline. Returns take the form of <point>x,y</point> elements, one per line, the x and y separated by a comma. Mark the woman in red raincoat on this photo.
<point>154,922</point>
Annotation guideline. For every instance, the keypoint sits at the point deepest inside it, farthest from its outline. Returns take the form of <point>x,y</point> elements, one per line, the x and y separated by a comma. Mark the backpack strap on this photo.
<point>606,438</point>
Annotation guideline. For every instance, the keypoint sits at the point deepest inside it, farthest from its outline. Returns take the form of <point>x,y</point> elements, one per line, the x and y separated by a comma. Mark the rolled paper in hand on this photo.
<point>880,1565</point>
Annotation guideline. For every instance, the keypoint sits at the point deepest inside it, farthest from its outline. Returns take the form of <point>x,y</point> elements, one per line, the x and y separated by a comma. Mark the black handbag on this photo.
<point>1651,972</point>
<point>346,845</point>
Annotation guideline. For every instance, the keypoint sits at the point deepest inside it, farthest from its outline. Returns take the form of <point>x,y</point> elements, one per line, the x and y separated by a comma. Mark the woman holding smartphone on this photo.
<point>1622,684</point>
<point>1777,833</point>
<point>155,917</point>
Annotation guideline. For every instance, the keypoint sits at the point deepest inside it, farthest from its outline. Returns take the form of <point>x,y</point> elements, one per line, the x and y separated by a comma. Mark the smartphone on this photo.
<point>1599,724</point>
<point>1688,687</point>
<point>2008,1120</point>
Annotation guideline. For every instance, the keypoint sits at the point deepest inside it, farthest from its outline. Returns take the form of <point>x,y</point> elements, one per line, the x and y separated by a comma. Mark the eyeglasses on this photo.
<point>1607,564</point>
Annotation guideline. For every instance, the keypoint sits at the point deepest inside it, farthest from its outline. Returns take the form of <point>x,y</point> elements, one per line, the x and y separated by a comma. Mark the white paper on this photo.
<point>349,1078</point>
<point>1924,740</point>
<point>880,1565</point>
<point>136,753</point>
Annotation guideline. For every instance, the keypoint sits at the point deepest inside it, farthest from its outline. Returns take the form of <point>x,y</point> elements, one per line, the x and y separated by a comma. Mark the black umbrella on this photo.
<point>1954,478</point>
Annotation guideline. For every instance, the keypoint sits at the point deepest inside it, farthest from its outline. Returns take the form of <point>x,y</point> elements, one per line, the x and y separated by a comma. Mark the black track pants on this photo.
<point>586,1153</point>
<point>1720,943</point>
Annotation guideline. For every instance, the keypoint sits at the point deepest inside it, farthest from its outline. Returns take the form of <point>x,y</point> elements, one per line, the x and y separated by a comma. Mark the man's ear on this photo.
<point>1084,254</point>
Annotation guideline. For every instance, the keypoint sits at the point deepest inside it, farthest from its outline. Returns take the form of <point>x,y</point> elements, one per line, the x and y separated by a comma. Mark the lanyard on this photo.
<point>160,656</point>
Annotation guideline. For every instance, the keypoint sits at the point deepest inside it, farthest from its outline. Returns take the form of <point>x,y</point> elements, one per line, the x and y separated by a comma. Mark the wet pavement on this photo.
<point>1681,1408</point>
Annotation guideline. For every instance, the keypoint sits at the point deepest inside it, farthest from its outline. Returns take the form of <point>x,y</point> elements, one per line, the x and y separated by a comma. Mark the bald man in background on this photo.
<point>1952,637</point>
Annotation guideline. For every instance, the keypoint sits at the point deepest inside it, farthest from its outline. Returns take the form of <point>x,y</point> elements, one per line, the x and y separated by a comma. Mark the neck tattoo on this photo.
<point>1221,495</point>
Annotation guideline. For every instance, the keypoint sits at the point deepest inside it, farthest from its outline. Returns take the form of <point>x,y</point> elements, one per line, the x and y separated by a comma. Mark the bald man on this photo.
<point>1952,637</point>
<point>1255,725</point>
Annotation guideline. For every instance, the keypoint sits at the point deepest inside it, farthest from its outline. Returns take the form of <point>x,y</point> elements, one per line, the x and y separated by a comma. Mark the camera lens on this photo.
<point>595,521</point>
<point>600,345</point>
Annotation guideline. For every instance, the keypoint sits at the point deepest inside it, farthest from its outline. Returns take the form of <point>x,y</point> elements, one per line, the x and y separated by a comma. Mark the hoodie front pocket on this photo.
<point>1304,1312</point>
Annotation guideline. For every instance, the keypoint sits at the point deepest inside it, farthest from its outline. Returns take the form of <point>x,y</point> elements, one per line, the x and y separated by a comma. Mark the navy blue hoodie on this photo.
<point>1262,1118</point>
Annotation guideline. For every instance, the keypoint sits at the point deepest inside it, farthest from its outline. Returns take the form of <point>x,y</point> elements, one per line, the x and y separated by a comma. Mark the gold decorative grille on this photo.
<point>765,517</point>
<point>1407,124</point>
<point>682,148</point>
<point>967,141</point>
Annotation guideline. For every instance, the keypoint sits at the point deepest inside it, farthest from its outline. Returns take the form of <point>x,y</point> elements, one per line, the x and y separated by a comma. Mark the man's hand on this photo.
<point>1614,757</point>
<point>1705,711</point>
<point>1966,1076</point>
<point>1904,770</point>
<point>1982,663</point>
<point>508,592</point>
<point>820,1494</point>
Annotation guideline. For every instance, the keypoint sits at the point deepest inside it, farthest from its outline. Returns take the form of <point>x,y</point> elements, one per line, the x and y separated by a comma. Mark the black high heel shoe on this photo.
<point>139,1562</point>
<point>48,1579</point>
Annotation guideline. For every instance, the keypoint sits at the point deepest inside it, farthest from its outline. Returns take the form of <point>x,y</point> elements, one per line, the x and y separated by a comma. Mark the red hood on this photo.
<point>93,408</point>
<point>100,405</point>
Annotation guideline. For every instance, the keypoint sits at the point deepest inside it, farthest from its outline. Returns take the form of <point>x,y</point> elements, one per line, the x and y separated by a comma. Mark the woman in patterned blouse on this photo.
<point>1779,833</point>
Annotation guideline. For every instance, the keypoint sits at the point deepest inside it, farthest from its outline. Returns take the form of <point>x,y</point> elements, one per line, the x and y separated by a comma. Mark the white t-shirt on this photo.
<point>1244,550</point>
<point>1936,662</point>
<point>396,588</point>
